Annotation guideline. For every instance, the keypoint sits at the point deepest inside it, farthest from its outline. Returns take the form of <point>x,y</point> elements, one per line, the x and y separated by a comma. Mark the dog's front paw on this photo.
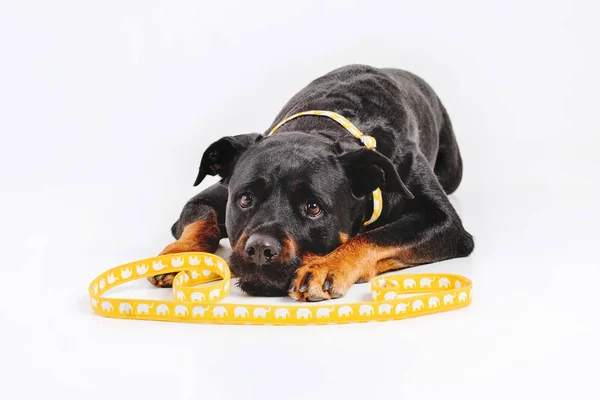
<point>321,278</point>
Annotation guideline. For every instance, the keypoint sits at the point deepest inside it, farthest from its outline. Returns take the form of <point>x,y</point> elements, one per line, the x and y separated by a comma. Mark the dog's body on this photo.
<point>316,256</point>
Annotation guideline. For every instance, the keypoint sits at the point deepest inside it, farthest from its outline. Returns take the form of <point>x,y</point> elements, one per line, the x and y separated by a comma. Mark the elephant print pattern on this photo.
<point>162,309</point>
<point>324,312</point>
<point>410,283</point>
<point>198,291</point>
<point>282,313</point>
<point>143,309</point>
<point>260,312</point>
<point>198,297</point>
<point>177,262</point>
<point>125,308</point>
<point>303,313</point>
<point>345,311</point>
<point>181,311</point>
<point>241,312</point>
<point>219,311</point>
<point>385,309</point>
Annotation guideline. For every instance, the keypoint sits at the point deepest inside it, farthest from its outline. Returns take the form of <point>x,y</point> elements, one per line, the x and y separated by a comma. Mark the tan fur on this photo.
<point>353,261</point>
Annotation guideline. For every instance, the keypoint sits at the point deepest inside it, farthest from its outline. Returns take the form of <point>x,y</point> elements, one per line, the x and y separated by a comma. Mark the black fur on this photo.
<point>314,159</point>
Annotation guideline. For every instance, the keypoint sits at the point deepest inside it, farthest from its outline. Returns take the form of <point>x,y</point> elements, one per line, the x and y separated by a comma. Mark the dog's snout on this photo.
<point>262,249</point>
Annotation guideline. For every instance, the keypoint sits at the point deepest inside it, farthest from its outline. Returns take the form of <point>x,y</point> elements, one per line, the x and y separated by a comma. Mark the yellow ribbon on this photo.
<point>440,292</point>
<point>368,141</point>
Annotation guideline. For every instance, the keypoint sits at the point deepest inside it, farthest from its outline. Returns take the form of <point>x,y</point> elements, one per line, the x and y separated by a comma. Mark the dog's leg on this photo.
<point>199,228</point>
<point>427,230</point>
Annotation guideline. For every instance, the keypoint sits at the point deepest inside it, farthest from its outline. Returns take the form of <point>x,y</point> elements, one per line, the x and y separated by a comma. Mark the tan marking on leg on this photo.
<point>354,260</point>
<point>199,236</point>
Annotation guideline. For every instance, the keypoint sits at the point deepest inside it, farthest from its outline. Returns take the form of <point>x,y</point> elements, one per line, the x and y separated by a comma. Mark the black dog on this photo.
<point>294,204</point>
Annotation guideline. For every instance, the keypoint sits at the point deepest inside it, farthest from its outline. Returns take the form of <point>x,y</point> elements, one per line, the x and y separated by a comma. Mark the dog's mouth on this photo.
<point>270,279</point>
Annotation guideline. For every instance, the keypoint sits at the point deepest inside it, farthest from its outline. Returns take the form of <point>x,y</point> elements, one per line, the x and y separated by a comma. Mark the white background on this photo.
<point>106,108</point>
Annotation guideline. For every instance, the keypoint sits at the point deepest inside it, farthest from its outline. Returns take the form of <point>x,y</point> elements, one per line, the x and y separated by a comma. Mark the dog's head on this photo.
<point>290,195</point>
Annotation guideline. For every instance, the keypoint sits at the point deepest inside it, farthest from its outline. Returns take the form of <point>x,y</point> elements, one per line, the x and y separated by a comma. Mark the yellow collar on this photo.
<point>367,141</point>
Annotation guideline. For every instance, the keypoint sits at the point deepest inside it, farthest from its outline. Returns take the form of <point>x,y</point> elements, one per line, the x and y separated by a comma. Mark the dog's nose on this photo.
<point>262,249</point>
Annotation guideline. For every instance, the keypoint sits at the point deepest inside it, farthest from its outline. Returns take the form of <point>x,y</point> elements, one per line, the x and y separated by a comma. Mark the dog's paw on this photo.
<point>321,278</point>
<point>163,280</point>
<point>166,280</point>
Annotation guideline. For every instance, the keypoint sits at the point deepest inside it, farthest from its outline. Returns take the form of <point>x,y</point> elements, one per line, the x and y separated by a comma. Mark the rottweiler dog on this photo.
<point>294,204</point>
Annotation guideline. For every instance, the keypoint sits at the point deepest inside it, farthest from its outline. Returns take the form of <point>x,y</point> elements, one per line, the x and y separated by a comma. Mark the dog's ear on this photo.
<point>368,170</point>
<point>220,157</point>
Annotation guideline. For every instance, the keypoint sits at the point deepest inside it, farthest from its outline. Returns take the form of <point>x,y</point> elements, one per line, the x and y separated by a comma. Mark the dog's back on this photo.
<point>395,106</point>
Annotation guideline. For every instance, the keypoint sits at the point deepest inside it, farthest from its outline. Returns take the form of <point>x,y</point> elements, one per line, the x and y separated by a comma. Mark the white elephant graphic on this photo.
<point>199,311</point>
<point>220,265</point>
<point>181,311</point>
<point>193,260</point>
<point>433,302</point>
<point>385,309</point>
<point>374,295</point>
<point>303,313</point>
<point>107,306</point>
<point>94,302</point>
<point>394,282</point>
<point>125,308</point>
<point>226,287</point>
<point>366,309</point>
<point>111,279</point>
<point>208,261</point>
<point>324,312</point>
<point>381,282</point>
<point>184,277</point>
<point>141,269</point>
<point>126,273</point>
<point>444,283</point>
<point>282,313</point>
<point>214,294</point>
<point>260,312</point>
<point>390,296</point>
<point>177,261</point>
<point>449,299</point>
<point>462,297</point>
<point>457,284</point>
<point>426,282</point>
<point>95,288</point>
<point>180,295</point>
<point>143,309</point>
<point>206,272</point>
<point>198,297</point>
<point>219,311</point>
<point>345,311</point>
<point>158,265</point>
<point>195,274</point>
<point>162,309</point>
<point>401,308</point>
<point>410,283</point>
<point>102,283</point>
<point>417,305</point>
<point>241,312</point>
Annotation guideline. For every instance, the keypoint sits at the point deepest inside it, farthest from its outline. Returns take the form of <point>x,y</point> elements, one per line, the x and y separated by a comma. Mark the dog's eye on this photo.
<point>313,209</point>
<point>246,200</point>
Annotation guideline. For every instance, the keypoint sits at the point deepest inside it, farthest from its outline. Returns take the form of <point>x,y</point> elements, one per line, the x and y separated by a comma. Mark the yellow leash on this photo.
<point>440,292</point>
